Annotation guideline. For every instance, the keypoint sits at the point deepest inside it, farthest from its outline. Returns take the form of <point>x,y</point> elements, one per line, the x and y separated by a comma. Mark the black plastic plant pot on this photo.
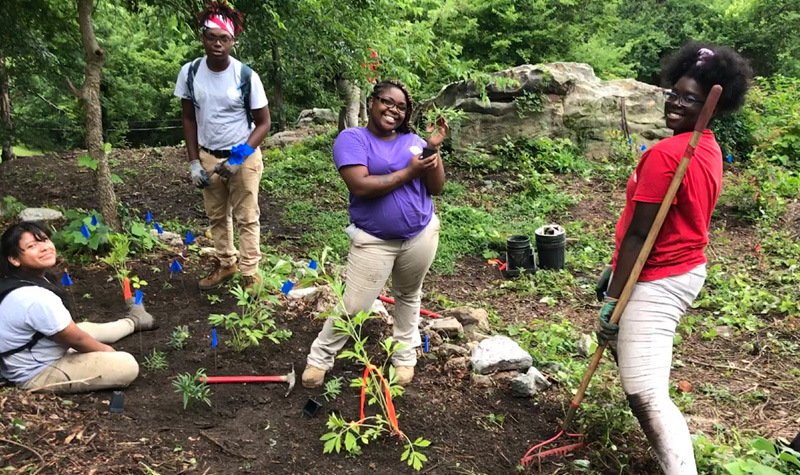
<point>518,256</point>
<point>117,404</point>
<point>311,408</point>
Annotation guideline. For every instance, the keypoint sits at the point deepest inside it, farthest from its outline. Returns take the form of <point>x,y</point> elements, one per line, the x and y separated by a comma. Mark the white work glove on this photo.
<point>199,176</point>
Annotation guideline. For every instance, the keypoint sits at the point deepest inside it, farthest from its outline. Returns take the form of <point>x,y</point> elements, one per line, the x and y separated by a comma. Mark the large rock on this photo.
<point>317,116</point>
<point>500,353</point>
<point>530,383</point>
<point>576,105</point>
<point>471,316</point>
<point>447,325</point>
<point>40,214</point>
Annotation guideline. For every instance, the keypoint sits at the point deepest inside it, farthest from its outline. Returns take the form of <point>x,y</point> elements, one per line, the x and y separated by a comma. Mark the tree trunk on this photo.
<point>278,87</point>
<point>6,111</point>
<point>90,97</point>
<point>350,95</point>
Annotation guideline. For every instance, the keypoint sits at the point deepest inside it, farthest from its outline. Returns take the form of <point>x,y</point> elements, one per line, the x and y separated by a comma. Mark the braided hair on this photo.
<point>710,64</point>
<point>387,84</point>
<point>223,9</point>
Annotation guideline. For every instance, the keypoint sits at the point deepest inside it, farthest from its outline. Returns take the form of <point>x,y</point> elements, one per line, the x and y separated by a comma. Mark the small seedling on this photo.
<point>156,361</point>
<point>213,299</point>
<point>333,388</point>
<point>87,296</point>
<point>138,283</point>
<point>192,388</point>
<point>178,337</point>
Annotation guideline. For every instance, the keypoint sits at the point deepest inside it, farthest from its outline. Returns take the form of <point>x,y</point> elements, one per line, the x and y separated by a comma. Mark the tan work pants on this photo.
<point>116,369</point>
<point>237,196</point>
<point>370,263</point>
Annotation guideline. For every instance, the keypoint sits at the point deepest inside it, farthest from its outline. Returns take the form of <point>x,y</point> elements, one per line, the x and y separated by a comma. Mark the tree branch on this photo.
<point>73,89</point>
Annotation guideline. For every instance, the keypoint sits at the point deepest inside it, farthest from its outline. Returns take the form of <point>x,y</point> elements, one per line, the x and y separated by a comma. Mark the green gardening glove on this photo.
<point>606,331</point>
<point>602,283</point>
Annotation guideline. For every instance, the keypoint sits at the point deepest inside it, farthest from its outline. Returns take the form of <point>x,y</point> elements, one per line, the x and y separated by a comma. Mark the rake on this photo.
<point>536,451</point>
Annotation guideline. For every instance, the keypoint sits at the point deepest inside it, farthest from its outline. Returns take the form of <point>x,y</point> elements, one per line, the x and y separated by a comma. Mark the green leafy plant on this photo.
<point>213,299</point>
<point>11,206</point>
<point>70,240</point>
<point>178,337</point>
<point>333,387</point>
<point>192,387</point>
<point>156,361</point>
<point>530,102</point>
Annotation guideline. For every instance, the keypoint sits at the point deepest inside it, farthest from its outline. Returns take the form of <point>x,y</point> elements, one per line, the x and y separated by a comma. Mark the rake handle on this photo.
<point>644,253</point>
<point>243,379</point>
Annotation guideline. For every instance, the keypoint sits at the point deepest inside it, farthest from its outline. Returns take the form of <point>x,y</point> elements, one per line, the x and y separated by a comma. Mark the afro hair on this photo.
<point>223,9</point>
<point>725,67</point>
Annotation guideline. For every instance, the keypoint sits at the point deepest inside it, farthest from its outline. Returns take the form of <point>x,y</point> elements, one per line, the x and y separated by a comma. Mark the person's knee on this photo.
<point>126,368</point>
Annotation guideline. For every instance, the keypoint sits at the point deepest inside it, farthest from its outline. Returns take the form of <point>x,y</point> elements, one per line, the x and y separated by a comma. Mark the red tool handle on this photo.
<point>422,311</point>
<point>243,379</point>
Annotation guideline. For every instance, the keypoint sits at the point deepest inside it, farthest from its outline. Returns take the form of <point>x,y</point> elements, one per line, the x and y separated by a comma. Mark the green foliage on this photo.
<point>70,241</point>
<point>774,109</point>
<point>11,206</point>
<point>178,337</point>
<point>333,387</point>
<point>192,387</point>
<point>733,456</point>
<point>156,361</point>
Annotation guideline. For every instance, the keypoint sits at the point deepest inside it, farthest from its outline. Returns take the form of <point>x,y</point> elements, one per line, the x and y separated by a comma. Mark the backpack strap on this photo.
<point>244,87</point>
<point>190,79</point>
<point>6,287</point>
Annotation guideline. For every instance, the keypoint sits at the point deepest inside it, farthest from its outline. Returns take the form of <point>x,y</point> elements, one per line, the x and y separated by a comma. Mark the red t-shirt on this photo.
<point>680,246</point>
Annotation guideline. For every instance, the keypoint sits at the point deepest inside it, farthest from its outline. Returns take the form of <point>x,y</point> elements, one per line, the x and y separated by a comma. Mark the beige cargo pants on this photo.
<point>369,264</point>
<point>116,369</point>
<point>235,197</point>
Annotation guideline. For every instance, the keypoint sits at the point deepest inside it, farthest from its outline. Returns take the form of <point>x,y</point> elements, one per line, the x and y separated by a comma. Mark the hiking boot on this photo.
<point>217,276</point>
<point>142,320</point>
<point>313,377</point>
<point>250,281</point>
<point>404,374</point>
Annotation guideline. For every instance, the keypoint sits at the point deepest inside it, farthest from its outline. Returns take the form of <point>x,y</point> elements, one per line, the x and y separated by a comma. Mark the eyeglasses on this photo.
<point>401,108</point>
<point>685,101</point>
<point>223,40</point>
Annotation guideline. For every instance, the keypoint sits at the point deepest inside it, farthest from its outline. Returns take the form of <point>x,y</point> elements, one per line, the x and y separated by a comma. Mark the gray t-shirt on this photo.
<point>23,312</point>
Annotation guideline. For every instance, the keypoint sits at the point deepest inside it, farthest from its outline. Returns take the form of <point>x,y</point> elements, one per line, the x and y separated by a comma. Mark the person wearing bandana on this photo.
<point>223,135</point>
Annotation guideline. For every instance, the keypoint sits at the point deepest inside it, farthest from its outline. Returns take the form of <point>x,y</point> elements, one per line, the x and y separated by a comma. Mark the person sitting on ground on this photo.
<point>394,229</point>
<point>675,270</point>
<point>40,345</point>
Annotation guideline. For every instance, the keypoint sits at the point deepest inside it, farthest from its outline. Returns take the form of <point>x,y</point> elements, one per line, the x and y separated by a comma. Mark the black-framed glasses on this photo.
<point>401,108</point>
<point>685,101</point>
<point>224,40</point>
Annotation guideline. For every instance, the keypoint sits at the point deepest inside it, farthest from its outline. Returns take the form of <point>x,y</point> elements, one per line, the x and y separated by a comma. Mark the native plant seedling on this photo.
<point>178,337</point>
<point>192,387</point>
<point>333,388</point>
<point>156,361</point>
<point>213,299</point>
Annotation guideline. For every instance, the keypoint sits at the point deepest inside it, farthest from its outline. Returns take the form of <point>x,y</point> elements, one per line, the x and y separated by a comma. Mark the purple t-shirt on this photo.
<point>402,213</point>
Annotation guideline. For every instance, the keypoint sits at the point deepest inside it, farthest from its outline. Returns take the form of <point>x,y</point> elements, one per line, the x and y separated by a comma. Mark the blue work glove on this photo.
<point>199,176</point>
<point>602,283</point>
<point>606,331</point>
<point>229,167</point>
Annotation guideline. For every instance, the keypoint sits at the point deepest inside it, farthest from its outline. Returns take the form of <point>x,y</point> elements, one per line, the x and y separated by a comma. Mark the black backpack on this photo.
<point>245,74</point>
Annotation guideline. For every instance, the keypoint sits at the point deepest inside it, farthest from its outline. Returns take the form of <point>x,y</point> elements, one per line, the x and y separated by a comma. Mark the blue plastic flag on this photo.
<point>426,343</point>
<point>730,158</point>
<point>175,266</point>
<point>644,147</point>
<point>85,231</point>
<point>189,238</point>
<point>286,287</point>
<point>148,217</point>
<point>213,337</point>
<point>312,265</point>
<point>94,220</point>
<point>157,227</point>
<point>630,140</point>
<point>66,279</point>
<point>139,296</point>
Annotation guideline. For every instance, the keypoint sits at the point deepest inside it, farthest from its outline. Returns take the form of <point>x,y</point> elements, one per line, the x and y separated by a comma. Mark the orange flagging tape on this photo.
<point>387,393</point>
<point>126,288</point>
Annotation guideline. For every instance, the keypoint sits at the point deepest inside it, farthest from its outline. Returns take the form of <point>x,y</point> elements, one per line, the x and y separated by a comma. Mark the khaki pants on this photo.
<point>116,370</point>
<point>370,263</point>
<point>237,196</point>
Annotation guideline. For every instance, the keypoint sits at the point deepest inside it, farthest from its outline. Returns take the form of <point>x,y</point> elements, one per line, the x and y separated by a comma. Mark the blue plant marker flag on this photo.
<point>139,296</point>
<point>189,238</point>
<point>286,287</point>
<point>85,231</point>
<point>730,158</point>
<point>94,220</point>
<point>148,217</point>
<point>644,147</point>
<point>630,140</point>
<point>312,265</point>
<point>175,266</point>
<point>213,337</point>
<point>426,343</point>
<point>157,227</point>
<point>66,280</point>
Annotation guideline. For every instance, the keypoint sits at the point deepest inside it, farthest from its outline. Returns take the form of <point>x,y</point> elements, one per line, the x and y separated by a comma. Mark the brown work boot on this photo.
<point>250,281</point>
<point>217,276</point>
<point>404,374</point>
<point>313,377</point>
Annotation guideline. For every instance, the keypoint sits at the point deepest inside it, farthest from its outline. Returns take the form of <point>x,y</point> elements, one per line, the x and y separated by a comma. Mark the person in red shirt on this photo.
<point>675,270</point>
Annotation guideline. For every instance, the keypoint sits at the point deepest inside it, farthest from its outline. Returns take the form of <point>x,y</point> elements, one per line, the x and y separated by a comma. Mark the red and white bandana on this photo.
<point>217,21</point>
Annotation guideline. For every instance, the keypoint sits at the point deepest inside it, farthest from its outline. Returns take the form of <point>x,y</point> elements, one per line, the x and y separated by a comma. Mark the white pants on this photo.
<point>644,356</point>
<point>370,263</point>
<point>116,369</point>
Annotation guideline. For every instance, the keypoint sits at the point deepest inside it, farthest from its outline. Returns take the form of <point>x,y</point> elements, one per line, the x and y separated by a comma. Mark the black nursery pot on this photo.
<point>551,243</point>
<point>519,255</point>
<point>311,408</point>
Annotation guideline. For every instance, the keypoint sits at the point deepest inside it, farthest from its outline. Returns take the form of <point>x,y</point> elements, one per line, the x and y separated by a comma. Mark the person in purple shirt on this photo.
<point>393,231</point>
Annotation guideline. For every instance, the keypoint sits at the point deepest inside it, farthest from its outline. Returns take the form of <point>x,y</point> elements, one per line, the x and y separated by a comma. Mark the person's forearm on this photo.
<point>434,179</point>
<point>375,186</point>
<point>258,135</point>
<point>85,343</point>
<point>190,137</point>
<point>629,250</point>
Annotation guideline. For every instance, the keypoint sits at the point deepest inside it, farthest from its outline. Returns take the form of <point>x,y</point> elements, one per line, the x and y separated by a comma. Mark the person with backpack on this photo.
<point>225,119</point>
<point>41,347</point>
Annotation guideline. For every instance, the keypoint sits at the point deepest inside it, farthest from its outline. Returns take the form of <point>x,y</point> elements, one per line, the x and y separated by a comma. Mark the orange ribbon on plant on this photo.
<point>387,392</point>
<point>126,288</point>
